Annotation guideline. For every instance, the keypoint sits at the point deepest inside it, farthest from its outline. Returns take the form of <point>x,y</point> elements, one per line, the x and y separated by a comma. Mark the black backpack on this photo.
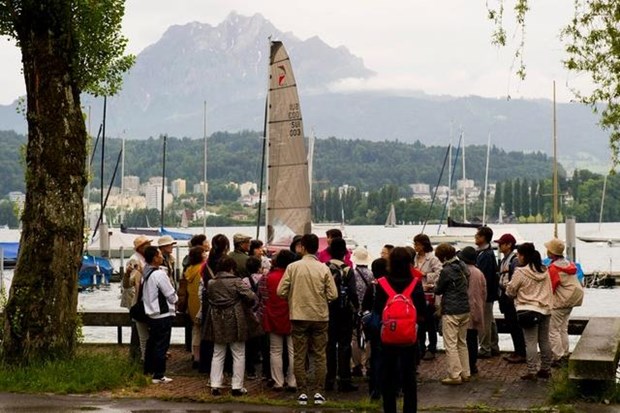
<point>342,277</point>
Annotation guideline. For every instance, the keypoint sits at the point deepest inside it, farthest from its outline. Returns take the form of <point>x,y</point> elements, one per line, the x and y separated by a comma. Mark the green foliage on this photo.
<point>593,47</point>
<point>101,60</point>
<point>98,45</point>
<point>8,215</point>
<point>592,39</point>
<point>92,369</point>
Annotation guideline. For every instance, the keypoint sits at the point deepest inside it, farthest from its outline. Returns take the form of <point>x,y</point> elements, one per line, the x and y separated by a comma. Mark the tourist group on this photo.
<point>307,320</point>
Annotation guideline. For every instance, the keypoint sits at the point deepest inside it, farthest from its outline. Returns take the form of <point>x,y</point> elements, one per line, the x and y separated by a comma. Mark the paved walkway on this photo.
<point>498,386</point>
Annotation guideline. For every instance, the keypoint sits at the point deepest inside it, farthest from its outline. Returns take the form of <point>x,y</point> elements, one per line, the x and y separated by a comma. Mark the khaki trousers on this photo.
<point>310,339</point>
<point>454,329</point>
<point>558,332</point>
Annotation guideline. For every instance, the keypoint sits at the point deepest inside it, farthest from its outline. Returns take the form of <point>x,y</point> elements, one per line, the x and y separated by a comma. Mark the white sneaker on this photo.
<point>318,398</point>
<point>302,399</point>
<point>163,380</point>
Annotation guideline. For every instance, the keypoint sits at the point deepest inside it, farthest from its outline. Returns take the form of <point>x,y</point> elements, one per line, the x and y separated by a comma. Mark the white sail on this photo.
<point>288,189</point>
<point>391,218</point>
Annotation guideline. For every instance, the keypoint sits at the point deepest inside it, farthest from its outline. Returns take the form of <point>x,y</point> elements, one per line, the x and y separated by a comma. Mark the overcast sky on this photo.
<point>437,46</point>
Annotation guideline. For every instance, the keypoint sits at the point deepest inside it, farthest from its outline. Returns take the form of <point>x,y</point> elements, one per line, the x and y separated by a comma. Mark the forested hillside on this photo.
<point>237,157</point>
<point>382,169</point>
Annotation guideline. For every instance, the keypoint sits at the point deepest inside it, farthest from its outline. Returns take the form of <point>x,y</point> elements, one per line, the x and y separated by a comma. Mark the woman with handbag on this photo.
<point>227,323</point>
<point>192,279</point>
<point>531,288</point>
<point>429,265</point>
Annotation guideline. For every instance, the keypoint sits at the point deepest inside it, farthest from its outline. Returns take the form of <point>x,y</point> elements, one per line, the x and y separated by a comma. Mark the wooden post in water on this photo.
<point>571,252</point>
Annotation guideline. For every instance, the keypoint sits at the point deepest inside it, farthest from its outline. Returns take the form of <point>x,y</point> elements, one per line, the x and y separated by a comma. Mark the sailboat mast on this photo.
<point>464,185</point>
<point>105,105</point>
<point>311,160</point>
<point>264,157</point>
<point>123,180</point>
<point>449,177</point>
<point>486,182</point>
<point>163,182</point>
<point>204,172</point>
<point>555,169</point>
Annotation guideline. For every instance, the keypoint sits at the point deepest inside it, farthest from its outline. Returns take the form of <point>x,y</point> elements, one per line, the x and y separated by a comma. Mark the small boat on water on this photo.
<point>390,222</point>
<point>456,224</point>
<point>156,232</point>
<point>95,272</point>
<point>9,253</point>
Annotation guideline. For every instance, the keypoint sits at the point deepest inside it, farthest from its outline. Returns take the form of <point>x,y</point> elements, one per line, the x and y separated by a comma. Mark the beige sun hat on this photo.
<point>140,240</point>
<point>165,240</point>
<point>360,256</point>
<point>555,246</point>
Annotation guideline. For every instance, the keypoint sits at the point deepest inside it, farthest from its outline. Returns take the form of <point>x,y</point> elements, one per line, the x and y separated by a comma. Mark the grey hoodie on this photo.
<point>531,290</point>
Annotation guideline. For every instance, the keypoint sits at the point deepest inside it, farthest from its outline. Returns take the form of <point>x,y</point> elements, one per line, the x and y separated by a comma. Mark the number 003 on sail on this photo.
<point>288,187</point>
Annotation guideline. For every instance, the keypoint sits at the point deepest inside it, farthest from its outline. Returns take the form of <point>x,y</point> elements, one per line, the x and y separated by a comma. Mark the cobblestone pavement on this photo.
<point>498,386</point>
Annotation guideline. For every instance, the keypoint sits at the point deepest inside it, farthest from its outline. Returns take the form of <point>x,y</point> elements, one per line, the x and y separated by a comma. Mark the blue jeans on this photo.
<point>157,346</point>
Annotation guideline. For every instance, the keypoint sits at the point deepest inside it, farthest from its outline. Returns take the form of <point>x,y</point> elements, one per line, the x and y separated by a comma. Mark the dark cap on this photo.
<point>506,239</point>
<point>467,255</point>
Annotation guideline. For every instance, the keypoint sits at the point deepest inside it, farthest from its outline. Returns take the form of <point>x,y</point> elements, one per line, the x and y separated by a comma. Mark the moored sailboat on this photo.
<point>288,188</point>
<point>390,222</point>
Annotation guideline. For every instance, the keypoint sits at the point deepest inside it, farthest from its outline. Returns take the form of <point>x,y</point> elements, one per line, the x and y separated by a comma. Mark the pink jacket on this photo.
<point>477,293</point>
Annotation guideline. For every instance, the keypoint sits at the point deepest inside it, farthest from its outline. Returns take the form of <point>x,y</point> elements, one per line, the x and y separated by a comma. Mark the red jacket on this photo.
<point>276,313</point>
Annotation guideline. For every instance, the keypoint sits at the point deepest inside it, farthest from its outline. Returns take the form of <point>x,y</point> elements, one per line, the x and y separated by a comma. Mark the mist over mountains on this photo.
<point>226,66</point>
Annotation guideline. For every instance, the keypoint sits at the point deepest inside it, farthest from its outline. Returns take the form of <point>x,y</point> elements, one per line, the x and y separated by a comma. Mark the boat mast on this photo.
<point>88,155</point>
<point>265,137</point>
<point>311,140</point>
<point>449,173</point>
<point>163,181</point>
<point>123,180</point>
<point>555,169</point>
<point>204,172</point>
<point>105,105</point>
<point>464,185</point>
<point>486,183</point>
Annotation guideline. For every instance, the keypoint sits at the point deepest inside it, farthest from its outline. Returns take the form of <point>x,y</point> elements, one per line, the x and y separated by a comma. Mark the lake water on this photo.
<point>593,257</point>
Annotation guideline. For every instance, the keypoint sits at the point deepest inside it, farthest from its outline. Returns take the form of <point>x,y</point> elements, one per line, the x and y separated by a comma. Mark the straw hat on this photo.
<point>555,246</point>
<point>361,257</point>
<point>140,241</point>
<point>166,240</point>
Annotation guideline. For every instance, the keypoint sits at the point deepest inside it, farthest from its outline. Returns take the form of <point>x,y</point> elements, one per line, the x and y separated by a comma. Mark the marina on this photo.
<point>595,258</point>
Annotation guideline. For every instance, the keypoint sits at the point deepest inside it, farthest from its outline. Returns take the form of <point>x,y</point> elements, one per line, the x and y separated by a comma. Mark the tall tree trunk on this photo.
<point>41,314</point>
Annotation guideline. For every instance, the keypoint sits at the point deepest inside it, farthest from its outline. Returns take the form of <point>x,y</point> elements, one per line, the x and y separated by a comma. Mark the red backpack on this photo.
<point>399,319</point>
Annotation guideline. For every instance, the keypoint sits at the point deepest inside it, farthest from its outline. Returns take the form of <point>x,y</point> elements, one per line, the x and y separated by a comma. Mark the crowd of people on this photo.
<point>339,314</point>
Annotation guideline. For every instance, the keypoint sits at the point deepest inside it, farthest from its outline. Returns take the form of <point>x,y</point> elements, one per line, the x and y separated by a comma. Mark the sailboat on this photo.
<point>288,210</point>
<point>390,222</point>
<point>461,234</point>
<point>601,237</point>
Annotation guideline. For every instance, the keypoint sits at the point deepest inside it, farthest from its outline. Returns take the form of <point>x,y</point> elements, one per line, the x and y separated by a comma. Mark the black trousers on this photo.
<point>428,327</point>
<point>391,358</point>
<point>157,346</point>
<point>338,351</point>
<point>472,349</point>
<point>507,307</point>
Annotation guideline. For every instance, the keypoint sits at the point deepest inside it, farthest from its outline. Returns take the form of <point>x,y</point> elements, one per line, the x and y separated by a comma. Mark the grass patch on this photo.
<point>90,370</point>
